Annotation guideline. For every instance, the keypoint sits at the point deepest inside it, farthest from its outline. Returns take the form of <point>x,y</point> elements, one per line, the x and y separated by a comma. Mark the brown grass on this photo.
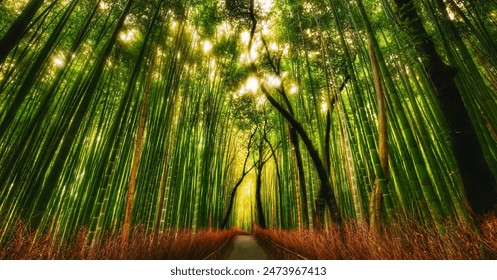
<point>351,241</point>
<point>405,242</point>
<point>171,245</point>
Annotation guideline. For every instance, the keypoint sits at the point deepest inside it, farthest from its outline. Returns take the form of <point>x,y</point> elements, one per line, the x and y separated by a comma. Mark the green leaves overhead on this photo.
<point>95,94</point>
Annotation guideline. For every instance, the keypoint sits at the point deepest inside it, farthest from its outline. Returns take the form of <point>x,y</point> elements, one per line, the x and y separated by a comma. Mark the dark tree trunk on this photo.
<point>480,186</point>
<point>231,202</point>
<point>325,195</point>
<point>18,28</point>
<point>260,211</point>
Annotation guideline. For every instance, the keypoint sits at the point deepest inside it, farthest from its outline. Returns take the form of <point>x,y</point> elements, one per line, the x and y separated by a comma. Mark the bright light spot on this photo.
<point>80,175</point>
<point>265,5</point>
<point>59,62</point>
<point>240,92</point>
<point>286,49</point>
<point>273,46</point>
<point>451,15</point>
<point>160,53</point>
<point>273,81</point>
<point>244,58</point>
<point>103,6</point>
<point>294,89</point>
<point>308,8</point>
<point>212,63</point>
<point>174,24</point>
<point>128,36</point>
<point>16,5</point>
<point>252,84</point>
<point>206,46</point>
<point>253,53</point>
<point>324,107</point>
<point>245,37</point>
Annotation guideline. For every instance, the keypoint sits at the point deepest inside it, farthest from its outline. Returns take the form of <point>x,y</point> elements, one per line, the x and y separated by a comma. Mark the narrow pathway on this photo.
<point>245,247</point>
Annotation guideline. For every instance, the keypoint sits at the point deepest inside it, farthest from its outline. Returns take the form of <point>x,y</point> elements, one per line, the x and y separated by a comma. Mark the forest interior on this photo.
<point>326,129</point>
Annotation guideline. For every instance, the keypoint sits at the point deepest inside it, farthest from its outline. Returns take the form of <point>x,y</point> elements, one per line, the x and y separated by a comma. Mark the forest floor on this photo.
<point>245,247</point>
<point>403,241</point>
<point>23,244</point>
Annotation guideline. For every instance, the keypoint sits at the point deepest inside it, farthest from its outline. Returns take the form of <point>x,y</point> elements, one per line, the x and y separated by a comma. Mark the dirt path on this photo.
<point>245,247</point>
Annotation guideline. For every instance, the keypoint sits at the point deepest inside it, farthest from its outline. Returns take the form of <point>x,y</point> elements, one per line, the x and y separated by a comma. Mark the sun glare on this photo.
<point>206,46</point>
<point>245,37</point>
<point>324,107</point>
<point>294,89</point>
<point>174,24</point>
<point>265,5</point>
<point>58,62</point>
<point>103,6</point>
<point>254,54</point>
<point>127,36</point>
<point>252,84</point>
<point>273,46</point>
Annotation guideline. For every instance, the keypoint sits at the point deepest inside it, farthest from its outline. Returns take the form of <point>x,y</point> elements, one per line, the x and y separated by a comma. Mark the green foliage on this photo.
<point>72,89</point>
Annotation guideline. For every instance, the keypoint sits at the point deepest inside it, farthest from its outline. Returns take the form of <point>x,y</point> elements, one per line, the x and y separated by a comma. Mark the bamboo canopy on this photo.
<point>212,114</point>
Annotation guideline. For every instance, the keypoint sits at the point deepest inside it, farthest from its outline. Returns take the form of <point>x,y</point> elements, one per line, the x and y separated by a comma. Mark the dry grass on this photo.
<point>351,241</point>
<point>404,242</point>
<point>175,245</point>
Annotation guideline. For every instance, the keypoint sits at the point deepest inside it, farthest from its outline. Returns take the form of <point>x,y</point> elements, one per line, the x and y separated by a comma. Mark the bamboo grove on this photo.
<point>210,114</point>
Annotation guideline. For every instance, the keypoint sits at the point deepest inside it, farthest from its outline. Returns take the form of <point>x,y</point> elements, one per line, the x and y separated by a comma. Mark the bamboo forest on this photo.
<point>323,129</point>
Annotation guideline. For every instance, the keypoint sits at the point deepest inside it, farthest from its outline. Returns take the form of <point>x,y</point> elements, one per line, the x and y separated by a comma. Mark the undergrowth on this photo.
<point>177,245</point>
<point>407,241</point>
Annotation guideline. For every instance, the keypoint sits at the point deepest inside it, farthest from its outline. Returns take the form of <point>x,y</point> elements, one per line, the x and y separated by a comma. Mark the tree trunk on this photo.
<point>376,194</point>
<point>326,196</point>
<point>231,202</point>
<point>258,185</point>
<point>136,161</point>
<point>18,28</point>
<point>480,186</point>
